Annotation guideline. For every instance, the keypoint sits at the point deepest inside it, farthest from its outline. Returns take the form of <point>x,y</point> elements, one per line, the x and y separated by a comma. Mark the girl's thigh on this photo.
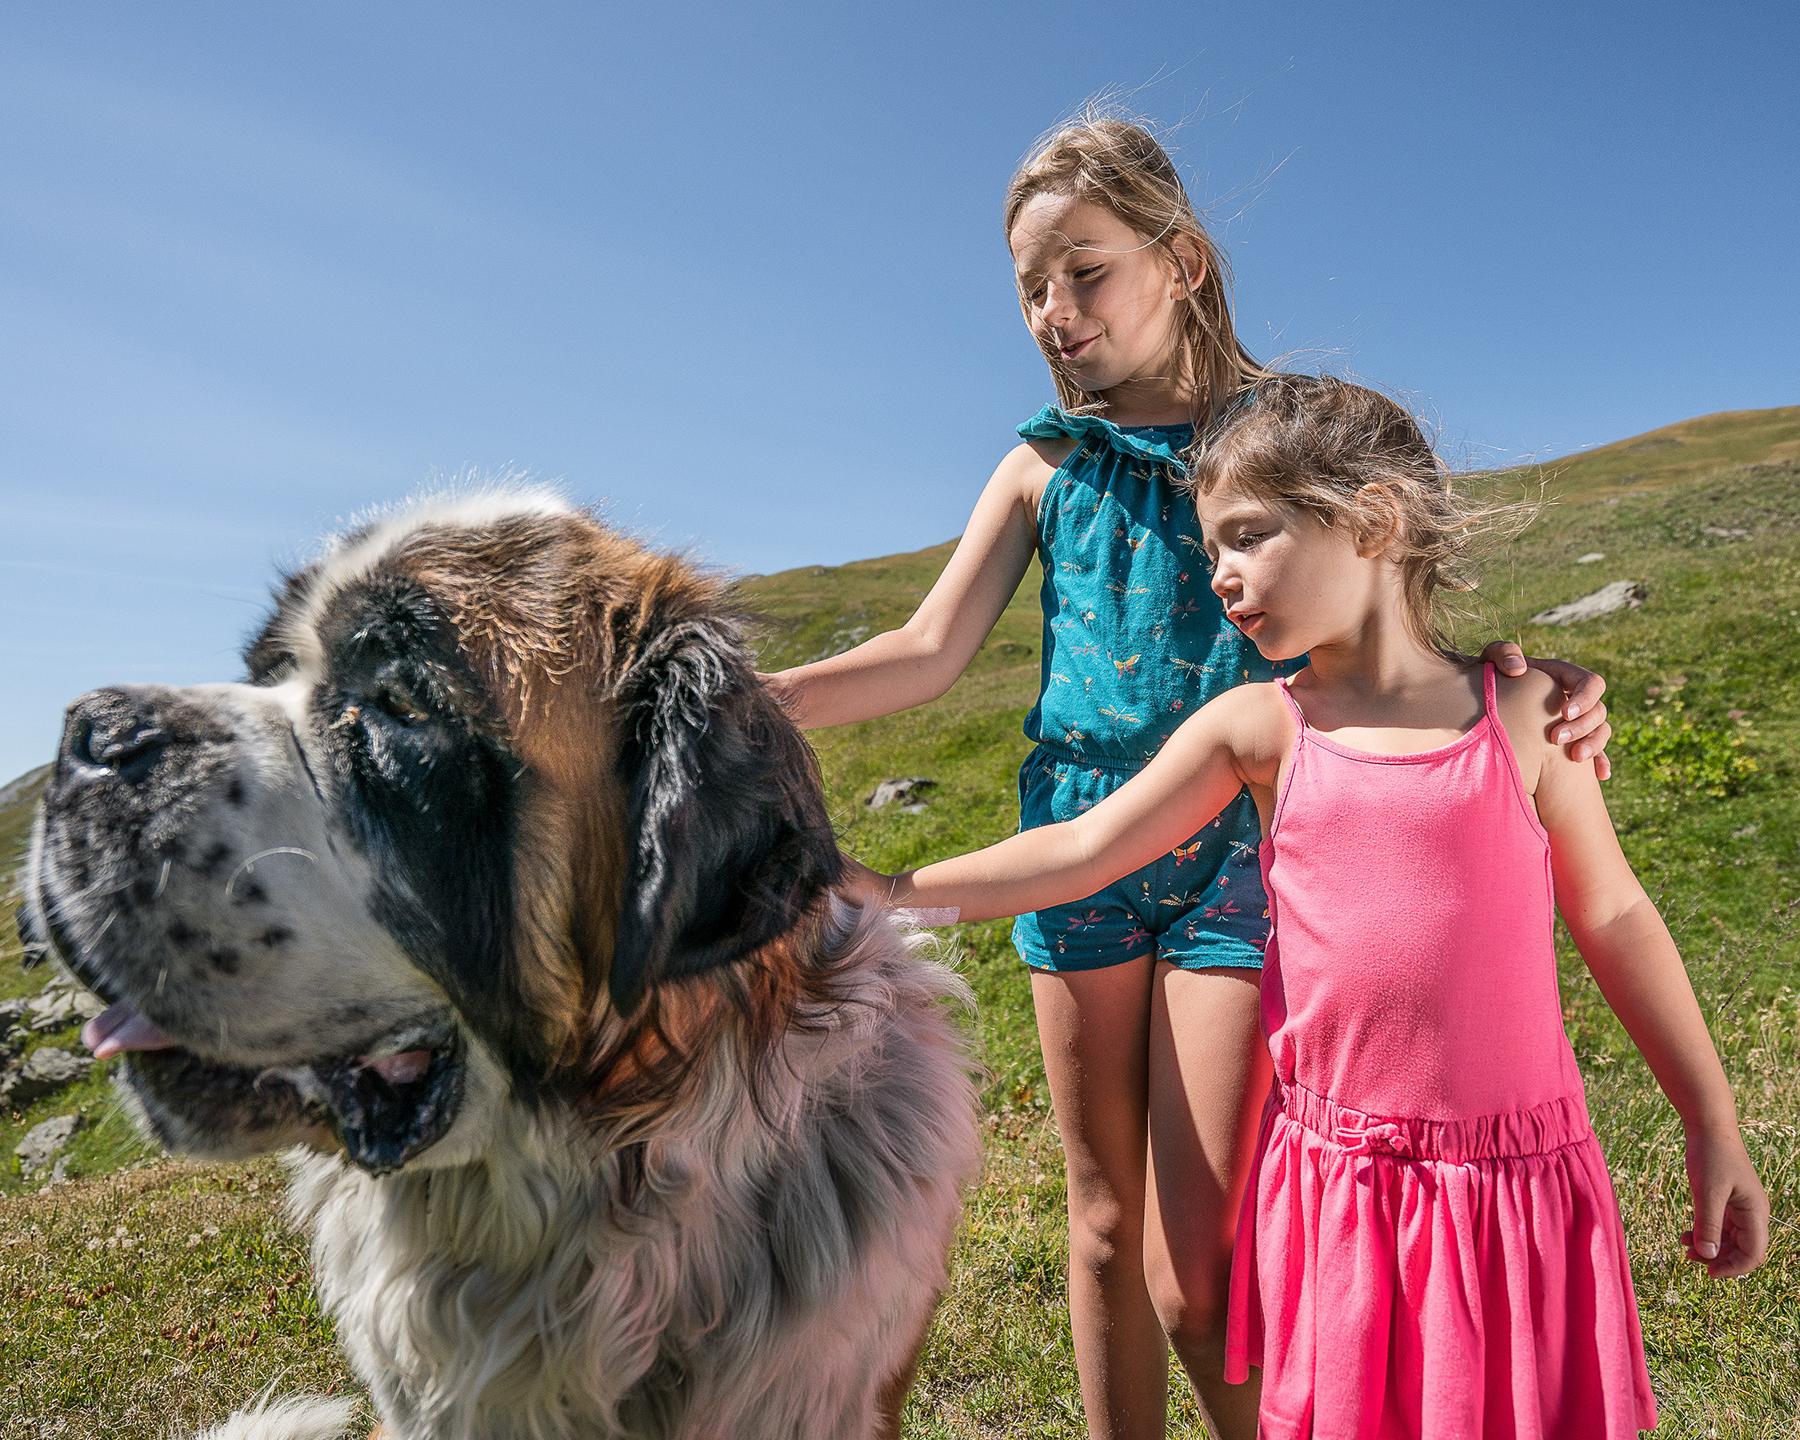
<point>1094,1026</point>
<point>1208,1078</point>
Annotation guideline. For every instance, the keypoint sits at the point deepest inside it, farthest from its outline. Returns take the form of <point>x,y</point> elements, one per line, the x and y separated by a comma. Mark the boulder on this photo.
<point>1620,595</point>
<point>44,1143</point>
<point>906,793</point>
<point>43,1072</point>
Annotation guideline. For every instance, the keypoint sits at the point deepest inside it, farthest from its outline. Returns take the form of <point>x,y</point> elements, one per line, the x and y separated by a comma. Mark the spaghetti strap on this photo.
<point>1282,683</point>
<point>1488,701</point>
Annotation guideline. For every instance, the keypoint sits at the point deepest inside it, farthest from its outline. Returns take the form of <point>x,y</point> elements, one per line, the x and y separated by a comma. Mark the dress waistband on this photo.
<point>1515,1133</point>
<point>1063,755</point>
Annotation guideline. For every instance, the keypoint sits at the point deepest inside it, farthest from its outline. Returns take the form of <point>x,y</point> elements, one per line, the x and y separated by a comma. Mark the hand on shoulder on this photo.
<point>1529,705</point>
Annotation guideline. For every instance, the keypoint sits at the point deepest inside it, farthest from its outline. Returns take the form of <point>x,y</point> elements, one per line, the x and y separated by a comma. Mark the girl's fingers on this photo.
<point>1740,1242</point>
<point>1583,687</point>
<point>1709,1222</point>
<point>1505,656</point>
<point>1582,728</point>
<point>1746,1238</point>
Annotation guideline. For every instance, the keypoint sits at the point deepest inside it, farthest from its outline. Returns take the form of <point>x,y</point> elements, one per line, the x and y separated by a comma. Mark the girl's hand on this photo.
<point>871,887</point>
<point>1582,730</point>
<point>1731,1212</point>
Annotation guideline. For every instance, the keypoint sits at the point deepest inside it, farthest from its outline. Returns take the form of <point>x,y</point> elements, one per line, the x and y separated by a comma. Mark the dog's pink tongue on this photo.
<point>119,1028</point>
<point>402,1068</point>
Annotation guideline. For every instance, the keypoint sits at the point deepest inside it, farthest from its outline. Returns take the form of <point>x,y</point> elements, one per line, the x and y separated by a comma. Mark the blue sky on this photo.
<point>738,271</point>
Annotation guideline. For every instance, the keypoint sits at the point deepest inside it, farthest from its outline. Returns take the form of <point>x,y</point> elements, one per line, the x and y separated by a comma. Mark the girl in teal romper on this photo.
<point>1145,995</point>
<point>1134,640</point>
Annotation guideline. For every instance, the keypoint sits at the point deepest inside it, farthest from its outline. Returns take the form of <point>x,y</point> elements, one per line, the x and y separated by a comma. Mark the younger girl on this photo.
<point>1145,995</point>
<point>1431,1247</point>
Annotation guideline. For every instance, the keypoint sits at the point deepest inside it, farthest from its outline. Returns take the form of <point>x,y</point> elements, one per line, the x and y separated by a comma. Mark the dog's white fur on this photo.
<point>517,1297</point>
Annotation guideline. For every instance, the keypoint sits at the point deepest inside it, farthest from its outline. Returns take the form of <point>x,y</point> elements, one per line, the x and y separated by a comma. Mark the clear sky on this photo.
<point>738,270</point>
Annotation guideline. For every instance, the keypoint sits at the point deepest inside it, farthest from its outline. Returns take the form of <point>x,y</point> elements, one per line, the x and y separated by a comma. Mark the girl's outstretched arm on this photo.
<point>922,659</point>
<point>1632,957</point>
<point>1209,758</point>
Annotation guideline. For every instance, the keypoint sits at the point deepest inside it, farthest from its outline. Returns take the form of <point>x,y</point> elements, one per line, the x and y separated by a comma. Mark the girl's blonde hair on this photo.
<point>1351,457</point>
<point>1118,165</point>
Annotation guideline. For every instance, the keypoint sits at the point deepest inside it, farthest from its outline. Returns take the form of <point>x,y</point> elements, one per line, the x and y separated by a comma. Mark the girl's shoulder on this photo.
<point>1259,725</point>
<point>1028,468</point>
<point>1159,444</point>
<point>1526,706</point>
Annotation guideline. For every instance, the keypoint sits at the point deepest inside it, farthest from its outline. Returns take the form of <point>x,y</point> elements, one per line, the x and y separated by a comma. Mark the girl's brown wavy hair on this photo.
<point>1119,165</point>
<point>1359,462</point>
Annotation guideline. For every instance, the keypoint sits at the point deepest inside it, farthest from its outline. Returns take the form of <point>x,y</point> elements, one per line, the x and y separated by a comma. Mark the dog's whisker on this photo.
<point>162,880</point>
<point>231,884</point>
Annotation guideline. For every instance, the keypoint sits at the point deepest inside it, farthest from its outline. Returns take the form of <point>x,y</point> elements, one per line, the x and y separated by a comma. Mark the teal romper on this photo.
<point>1134,642</point>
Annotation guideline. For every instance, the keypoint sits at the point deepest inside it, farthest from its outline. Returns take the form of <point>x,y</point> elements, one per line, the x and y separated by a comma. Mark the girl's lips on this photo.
<point>1246,620</point>
<point>1069,352</point>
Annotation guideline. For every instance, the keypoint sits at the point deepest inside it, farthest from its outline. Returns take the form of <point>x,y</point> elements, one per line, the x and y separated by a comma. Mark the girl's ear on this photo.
<point>1379,520</point>
<point>1190,266</point>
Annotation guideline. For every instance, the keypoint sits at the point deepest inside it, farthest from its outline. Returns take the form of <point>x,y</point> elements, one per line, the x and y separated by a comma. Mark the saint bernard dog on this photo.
<point>503,896</point>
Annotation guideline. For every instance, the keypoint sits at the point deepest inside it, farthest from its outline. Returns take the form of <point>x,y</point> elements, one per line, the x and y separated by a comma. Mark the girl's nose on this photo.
<point>1057,307</point>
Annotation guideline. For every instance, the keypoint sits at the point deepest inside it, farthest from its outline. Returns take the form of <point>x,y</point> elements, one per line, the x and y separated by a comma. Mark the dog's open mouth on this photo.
<point>386,1103</point>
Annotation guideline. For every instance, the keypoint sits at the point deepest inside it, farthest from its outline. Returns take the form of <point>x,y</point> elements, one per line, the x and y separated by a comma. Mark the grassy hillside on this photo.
<point>171,1291</point>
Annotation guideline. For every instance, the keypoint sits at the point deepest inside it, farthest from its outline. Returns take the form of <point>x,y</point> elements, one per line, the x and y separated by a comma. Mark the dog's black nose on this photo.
<point>110,733</point>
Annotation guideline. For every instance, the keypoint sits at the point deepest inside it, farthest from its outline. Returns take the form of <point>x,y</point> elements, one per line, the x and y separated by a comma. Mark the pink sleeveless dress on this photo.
<point>1429,1245</point>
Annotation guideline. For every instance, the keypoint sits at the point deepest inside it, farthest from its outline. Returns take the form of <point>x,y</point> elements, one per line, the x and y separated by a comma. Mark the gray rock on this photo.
<point>1590,557</point>
<point>44,1143</point>
<point>1620,595</point>
<point>43,1072</point>
<point>904,792</point>
<point>51,1010</point>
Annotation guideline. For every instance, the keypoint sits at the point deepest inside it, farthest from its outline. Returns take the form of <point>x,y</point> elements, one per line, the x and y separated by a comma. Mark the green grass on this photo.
<point>121,1340</point>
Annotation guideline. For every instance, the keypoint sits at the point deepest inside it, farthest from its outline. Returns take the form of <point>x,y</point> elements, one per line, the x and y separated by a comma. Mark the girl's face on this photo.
<point>1289,581</point>
<point>1098,295</point>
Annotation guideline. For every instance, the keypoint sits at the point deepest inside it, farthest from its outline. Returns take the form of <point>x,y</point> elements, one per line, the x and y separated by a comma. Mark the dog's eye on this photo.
<point>398,703</point>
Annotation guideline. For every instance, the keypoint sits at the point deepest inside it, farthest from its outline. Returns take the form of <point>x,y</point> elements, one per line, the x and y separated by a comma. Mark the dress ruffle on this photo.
<point>1163,443</point>
<point>1476,1297</point>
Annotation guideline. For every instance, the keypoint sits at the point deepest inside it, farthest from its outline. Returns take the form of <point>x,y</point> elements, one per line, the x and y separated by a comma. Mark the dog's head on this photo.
<point>499,782</point>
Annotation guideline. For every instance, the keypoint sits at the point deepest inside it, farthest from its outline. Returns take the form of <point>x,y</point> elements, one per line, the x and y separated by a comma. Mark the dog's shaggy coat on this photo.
<point>503,892</point>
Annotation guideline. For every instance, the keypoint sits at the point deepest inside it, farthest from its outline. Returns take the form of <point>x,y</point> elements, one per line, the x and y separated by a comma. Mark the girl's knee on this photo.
<point>1105,1237</point>
<point>1190,1294</point>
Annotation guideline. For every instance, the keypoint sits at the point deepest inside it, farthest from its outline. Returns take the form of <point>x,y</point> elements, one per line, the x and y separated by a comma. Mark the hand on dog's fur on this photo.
<point>871,887</point>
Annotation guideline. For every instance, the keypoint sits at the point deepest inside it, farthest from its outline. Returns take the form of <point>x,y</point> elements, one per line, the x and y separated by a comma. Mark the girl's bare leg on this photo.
<point>1094,1027</point>
<point>1209,1076</point>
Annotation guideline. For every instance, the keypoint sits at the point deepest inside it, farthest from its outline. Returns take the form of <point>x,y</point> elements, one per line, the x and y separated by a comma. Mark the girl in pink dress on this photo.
<point>1430,1245</point>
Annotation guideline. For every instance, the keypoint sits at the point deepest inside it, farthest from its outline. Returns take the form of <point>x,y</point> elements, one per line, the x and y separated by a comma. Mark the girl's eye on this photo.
<point>1250,539</point>
<point>1088,272</point>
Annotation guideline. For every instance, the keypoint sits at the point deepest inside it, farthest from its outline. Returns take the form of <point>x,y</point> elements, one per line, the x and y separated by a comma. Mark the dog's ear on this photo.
<point>729,843</point>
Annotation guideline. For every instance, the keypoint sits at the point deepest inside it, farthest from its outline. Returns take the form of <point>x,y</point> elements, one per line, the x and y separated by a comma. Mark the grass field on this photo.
<point>144,1293</point>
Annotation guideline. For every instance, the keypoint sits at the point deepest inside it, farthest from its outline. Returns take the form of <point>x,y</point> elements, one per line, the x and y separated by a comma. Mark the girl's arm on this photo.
<point>1632,957</point>
<point>922,659</point>
<point>1204,764</point>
